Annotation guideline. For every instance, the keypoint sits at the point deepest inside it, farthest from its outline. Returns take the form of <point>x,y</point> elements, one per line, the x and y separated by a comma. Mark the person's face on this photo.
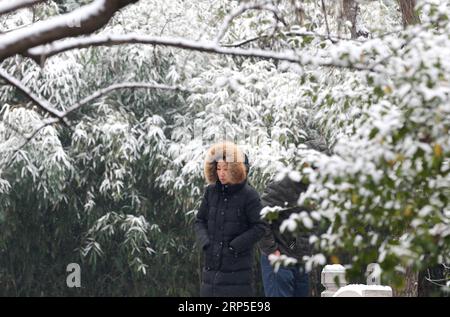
<point>222,172</point>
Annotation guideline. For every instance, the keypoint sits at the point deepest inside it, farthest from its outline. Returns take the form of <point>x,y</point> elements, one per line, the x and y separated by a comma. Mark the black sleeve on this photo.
<point>283,193</point>
<point>268,245</point>
<point>201,223</point>
<point>256,225</point>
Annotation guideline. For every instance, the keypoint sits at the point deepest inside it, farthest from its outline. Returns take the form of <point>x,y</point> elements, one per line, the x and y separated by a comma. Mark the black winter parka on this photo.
<point>228,225</point>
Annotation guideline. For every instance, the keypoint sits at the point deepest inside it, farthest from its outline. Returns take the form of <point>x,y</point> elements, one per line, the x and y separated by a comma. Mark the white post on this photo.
<point>372,289</point>
<point>361,290</point>
<point>373,273</point>
<point>332,274</point>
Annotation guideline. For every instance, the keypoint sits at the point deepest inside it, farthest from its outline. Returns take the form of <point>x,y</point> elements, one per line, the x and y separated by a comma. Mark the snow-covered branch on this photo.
<point>11,6</point>
<point>332,38</point>
<point>84,20</point>
<point>62,116</point>
<point>201,46</point>
<point>108,89</point>
<point>41,103</point>
<point>58,115</point>
<point>38,53</point>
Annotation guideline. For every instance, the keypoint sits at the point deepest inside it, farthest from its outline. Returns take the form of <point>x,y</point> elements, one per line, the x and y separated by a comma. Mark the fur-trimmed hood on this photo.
<point>230,153</point>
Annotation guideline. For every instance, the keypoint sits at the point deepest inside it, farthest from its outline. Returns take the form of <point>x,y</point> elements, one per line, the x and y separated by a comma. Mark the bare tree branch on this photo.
<point>200,46</point>
<point>10,6</point>
<point>237,12</point>
<point>41,103</point>
<point>84,20</point>
<point>326,18</point>
<point>246,41</point>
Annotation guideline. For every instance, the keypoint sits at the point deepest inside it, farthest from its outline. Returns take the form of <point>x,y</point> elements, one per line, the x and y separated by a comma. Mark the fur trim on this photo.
<point>230,153</point>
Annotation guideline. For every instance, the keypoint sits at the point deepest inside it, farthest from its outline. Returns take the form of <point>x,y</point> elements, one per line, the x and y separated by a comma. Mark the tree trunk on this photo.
<point>409,15</point>
<point>350,13</point>
<point>410,288</point>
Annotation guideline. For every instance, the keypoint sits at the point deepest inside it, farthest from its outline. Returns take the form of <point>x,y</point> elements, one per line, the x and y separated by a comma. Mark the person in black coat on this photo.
<point>287,281</point>
<point>228,224</point>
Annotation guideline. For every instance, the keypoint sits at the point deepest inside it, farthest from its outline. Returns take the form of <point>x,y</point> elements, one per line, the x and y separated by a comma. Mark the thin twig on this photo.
<point>237,12</point>
<point>28,139</point>
<point>326,19</point>
<point>332,38</point>
<point>108,89</point>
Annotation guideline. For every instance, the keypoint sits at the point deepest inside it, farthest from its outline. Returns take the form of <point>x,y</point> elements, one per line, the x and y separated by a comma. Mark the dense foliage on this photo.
<point>117,190</point>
